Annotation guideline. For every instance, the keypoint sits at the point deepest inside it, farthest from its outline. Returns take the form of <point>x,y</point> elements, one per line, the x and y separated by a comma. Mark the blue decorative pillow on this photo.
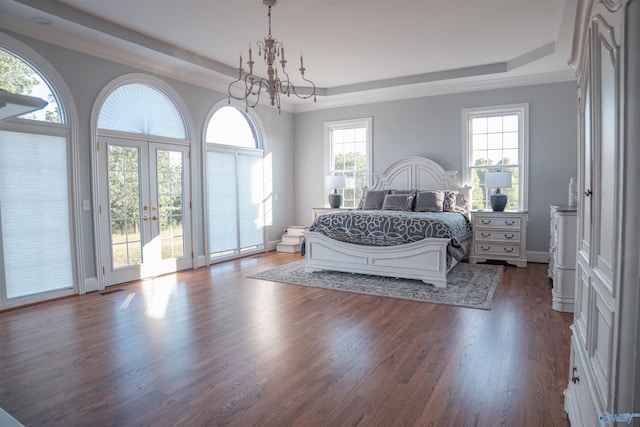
<point>429,201</point>
<point>398,202</point>
<point>373,200</point>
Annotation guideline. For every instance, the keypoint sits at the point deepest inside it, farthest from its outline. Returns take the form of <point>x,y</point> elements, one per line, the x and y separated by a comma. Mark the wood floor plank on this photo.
<point>213,347</point>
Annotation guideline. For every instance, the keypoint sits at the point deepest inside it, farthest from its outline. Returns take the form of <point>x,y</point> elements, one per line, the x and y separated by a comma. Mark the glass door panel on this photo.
<point>124,205</point>
<point>171,226</point>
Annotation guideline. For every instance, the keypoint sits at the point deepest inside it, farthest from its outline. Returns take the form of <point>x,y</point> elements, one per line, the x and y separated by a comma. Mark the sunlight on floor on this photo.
<point>157,293</point>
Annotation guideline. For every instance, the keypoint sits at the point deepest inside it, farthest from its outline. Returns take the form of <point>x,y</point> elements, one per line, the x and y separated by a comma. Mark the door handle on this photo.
<point>155,217</point>
<point>145,218</point>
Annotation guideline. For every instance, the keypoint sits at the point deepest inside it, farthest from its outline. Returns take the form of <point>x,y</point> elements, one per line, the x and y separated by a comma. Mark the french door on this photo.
<point>145,219</point>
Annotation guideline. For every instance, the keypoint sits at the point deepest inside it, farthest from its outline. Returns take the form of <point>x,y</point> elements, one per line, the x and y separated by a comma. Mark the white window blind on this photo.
<point>34,214</point>
<point>221,192</point>
<point>250,200</point>
<point>138,108</point>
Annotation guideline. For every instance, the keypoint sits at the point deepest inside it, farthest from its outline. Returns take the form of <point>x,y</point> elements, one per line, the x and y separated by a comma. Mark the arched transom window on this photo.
<point>139,108</point>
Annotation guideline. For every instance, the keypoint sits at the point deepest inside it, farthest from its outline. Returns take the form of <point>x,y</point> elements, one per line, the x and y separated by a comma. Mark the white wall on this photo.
<point>431,127</point>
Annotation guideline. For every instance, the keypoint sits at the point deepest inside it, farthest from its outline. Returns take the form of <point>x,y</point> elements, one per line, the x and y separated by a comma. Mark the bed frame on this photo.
<point>424,260</point>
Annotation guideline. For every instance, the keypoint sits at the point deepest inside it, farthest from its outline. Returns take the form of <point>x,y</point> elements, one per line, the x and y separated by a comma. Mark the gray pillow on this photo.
<point>429,201</point>
<point>398,202</point>
<point>373,200</point>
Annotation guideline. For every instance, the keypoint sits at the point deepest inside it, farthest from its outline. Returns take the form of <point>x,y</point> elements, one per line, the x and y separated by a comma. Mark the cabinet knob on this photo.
<point>588,193</point>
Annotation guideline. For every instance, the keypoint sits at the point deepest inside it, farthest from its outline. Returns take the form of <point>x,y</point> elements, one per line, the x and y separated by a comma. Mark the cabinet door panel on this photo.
<point>602,344</point>
<point>583,296</point>
<point>586,178</point>
<point>606,74</point>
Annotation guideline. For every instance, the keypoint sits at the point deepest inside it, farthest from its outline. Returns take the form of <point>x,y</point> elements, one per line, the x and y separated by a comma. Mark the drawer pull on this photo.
<point>507,236</point>
<point>509,222</point>
<point>485,234</point>
<point>485,248</point>
<point>485,221</point>
<point>574,379</point>
<point>509,249</point>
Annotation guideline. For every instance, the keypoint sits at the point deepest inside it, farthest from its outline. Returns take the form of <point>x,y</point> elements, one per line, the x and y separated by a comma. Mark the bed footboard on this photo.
<point>424,260</point>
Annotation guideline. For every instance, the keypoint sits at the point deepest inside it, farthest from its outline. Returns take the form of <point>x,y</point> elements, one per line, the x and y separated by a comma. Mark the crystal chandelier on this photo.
<point>270,49</point>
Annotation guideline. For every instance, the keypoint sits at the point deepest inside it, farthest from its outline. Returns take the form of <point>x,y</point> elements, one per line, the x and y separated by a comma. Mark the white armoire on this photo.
<point>604,380</point>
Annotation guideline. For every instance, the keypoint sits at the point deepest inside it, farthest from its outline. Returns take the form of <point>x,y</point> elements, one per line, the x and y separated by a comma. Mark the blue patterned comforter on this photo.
<point>389,228</point>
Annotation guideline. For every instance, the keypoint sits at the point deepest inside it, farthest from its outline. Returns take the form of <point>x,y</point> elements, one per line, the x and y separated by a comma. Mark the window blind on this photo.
<point>34,214</point>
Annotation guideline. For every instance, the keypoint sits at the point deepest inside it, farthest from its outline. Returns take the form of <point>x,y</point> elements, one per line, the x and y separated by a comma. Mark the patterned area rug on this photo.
<point>469,285</point>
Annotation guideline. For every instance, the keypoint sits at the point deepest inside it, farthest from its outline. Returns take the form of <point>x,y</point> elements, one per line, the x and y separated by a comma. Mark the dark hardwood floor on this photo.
<point>212,347</point>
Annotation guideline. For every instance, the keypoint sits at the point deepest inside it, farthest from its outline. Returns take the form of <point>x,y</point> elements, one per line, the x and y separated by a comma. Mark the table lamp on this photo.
<point>333,183</point>
<point>498,180</point>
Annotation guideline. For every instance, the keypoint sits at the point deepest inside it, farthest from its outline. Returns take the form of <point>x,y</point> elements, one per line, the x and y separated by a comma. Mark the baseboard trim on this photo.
<point>271,246</point>
<point>91,284</point>
<point>536,256</point>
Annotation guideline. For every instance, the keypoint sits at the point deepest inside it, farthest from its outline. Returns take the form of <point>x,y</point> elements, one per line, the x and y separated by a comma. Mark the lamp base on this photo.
<point>498,202</point>
<point>335,200</point>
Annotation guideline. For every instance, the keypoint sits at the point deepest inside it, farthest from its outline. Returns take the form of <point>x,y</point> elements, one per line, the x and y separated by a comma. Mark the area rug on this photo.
<point>469,285</point>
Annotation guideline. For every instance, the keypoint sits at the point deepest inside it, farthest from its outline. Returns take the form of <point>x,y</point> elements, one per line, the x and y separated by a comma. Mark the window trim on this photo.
<point>259,150</point>
<point>95,132</point>
<point>366,122</point>
<point>522,110</point>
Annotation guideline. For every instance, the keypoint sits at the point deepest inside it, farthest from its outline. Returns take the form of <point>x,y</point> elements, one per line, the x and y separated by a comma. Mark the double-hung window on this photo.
<point>348,153</point>
<point>496,139</point>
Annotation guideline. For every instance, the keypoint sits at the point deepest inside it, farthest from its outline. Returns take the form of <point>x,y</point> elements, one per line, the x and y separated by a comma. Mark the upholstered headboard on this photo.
<point>419,173</point>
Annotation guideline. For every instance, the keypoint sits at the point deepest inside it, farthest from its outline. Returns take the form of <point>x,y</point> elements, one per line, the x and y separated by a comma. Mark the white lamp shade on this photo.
<point>336,181</point>
<point>498,180</point>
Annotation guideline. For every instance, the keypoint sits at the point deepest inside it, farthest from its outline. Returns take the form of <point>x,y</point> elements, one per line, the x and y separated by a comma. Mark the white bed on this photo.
<point>424,260</point>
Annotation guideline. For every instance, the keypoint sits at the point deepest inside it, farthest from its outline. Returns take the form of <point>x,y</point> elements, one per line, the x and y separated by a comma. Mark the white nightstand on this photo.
<point>319,211</point>
<point>499,236</point>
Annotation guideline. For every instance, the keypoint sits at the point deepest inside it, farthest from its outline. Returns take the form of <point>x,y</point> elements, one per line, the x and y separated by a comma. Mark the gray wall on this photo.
<point>85,77</point>
<point>431,127</point>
